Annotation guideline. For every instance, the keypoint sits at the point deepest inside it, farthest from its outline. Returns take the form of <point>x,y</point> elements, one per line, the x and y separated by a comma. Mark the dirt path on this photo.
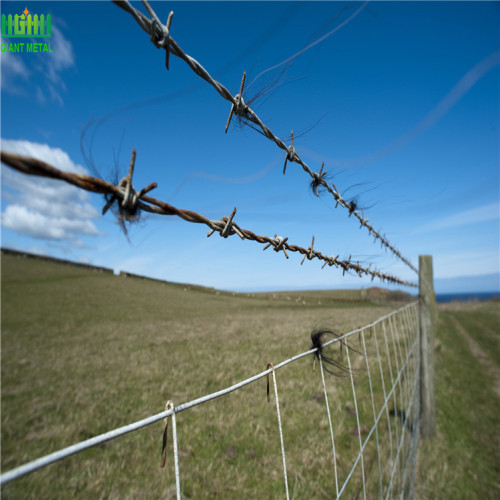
<point>481,356</point>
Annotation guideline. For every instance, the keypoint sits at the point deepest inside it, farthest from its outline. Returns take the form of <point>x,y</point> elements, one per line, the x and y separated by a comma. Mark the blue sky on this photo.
<point>402,98</point>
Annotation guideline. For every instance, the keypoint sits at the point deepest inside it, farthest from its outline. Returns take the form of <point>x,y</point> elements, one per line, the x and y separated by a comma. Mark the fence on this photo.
<point>389,357</point>
<point>389,361</point>
<point>130,201</point>
<point>384,355</point>
<point>161,38</point>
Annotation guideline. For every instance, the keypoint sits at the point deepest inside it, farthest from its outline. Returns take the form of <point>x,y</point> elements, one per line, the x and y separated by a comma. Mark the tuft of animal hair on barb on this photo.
<point>316,185</point>
<point>125,217</point>
<point>319,336</point>
<point>352,206</point>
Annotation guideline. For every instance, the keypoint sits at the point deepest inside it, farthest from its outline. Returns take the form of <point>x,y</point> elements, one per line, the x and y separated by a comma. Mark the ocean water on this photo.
<point>465,297</point>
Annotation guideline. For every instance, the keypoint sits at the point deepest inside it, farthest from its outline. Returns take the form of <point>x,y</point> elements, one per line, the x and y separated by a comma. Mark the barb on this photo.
<point>225,226</point>
<point>128,207</point>
<point>239,107</point>
<point>247,114</point>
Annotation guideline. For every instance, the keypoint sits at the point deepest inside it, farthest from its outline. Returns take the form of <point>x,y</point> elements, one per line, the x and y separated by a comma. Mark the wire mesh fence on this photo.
<point>359,430</point>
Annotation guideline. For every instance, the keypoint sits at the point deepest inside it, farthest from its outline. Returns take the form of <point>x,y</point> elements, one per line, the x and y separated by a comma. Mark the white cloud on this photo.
<point>18,79</point>
<point>55,95</point>
<point>46,208</point>
<point>79,244</point>
<point>47,201</point>
<point>62,58</point>
<point>40,97</point>
<point>450,265</point>
<point>480,214</point>
<point>34,224</point>
<point>37,250</point>
<point>55,156</point>
<point>13,70</point>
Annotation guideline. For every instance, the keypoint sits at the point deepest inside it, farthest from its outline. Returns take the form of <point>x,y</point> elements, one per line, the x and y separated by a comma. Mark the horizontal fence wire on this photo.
<point>161,38</point>
<point>397,469</point>
<point>130,201</point>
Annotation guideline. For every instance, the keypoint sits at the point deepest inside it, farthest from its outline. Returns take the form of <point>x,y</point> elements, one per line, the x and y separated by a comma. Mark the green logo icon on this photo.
<point>25,25</point>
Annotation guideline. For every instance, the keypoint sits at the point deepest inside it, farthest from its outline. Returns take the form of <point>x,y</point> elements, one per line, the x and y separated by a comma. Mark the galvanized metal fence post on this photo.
<point>427,323</point>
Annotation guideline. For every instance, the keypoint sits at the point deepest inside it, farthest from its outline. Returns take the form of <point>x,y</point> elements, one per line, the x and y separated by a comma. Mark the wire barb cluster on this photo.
<point>130,197</point>
<point>225,226</point>
<point>245,113</point>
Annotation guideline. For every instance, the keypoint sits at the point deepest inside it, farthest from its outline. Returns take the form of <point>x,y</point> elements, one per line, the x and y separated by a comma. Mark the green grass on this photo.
<point>483,323</point>
<point>84,352</point>
<point>463,459</point>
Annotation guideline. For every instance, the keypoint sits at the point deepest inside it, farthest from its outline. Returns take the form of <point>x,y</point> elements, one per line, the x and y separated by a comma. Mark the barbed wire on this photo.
<point>171,409</point>
<point>129,201</point>
<point>160,37</point>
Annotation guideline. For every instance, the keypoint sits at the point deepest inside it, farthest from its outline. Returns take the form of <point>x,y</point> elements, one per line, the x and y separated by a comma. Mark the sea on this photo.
<point>465,297</point>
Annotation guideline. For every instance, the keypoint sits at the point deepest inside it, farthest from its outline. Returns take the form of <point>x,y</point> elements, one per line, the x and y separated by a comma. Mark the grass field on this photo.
<point>463,460</point>
<point>84,352</point>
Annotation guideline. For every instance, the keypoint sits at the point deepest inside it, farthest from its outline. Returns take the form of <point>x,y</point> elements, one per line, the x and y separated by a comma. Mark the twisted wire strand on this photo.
<point>160,36</point>
<point>225,226</point>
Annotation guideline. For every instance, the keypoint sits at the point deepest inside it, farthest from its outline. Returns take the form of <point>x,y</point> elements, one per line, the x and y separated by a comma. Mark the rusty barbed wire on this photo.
<point>160,37</point>
<point>130,201</point>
